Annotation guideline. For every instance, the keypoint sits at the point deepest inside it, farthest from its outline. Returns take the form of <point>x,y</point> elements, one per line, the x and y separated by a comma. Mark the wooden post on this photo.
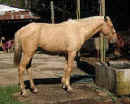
<point>78,9</point>
<point>78,17</point>
<point>102,7</point>
<point>52,12</point>
<point>26,3</point>
<point>102,45</point>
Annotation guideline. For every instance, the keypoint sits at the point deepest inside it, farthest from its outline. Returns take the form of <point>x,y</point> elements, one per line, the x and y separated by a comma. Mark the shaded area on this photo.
<point>86,67</point>
<point>53,81</point>
<point>54,94</point>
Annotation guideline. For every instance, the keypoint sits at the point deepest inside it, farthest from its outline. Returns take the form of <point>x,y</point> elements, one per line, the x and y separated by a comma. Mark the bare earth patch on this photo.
<point>47,72</point>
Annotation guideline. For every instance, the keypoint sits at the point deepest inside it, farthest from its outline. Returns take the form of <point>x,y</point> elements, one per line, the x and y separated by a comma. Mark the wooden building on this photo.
<point>11,19</point>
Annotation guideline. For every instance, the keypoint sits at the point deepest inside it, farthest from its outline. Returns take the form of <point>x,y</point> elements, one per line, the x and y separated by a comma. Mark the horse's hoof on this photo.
<point>69,89</point>
<point>63,86</point>
<point>35,90</point>
<point>23,93</point>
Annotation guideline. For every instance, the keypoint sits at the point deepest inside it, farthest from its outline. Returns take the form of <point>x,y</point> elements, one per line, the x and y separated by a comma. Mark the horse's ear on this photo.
<point>105,18</point>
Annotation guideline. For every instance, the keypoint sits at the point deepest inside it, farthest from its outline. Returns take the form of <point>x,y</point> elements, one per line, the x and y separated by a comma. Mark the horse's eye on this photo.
<point>112,27</point>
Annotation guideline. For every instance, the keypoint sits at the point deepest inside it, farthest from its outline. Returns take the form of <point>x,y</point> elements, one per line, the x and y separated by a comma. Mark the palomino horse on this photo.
<point>67,37</point>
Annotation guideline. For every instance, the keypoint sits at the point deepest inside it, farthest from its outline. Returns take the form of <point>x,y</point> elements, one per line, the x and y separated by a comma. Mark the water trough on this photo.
<point>114,76</point>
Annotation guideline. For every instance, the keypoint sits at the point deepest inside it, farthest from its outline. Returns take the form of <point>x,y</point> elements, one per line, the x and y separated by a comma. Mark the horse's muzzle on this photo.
<point>113,40</point>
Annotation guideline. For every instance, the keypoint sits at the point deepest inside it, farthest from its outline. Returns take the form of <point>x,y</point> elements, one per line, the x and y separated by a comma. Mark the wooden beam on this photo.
<point>103,42</point>
<point>102,7</point>
<point>52,12</point>
<point>78,9</point>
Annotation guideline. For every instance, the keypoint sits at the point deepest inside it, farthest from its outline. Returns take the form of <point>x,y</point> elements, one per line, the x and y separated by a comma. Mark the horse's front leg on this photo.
<point>63,81</point>
<point>70,62</point>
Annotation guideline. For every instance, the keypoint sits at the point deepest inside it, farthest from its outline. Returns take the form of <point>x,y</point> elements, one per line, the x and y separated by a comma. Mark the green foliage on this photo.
<point>5,2</point>
<point>20,4</point>
<point>6,95</point>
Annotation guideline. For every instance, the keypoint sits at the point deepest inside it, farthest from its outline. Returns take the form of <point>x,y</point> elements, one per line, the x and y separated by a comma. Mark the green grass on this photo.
<point>6,95</point>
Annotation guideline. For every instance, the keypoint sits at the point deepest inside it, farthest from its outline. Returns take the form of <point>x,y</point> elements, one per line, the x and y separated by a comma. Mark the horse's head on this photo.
<point>108,30</point>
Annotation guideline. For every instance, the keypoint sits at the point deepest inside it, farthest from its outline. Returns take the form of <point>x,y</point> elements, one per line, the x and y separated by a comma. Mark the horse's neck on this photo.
<point>92,30</point>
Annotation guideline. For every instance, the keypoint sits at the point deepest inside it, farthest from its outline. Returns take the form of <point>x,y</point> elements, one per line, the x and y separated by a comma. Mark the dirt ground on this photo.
<point>47,72</point>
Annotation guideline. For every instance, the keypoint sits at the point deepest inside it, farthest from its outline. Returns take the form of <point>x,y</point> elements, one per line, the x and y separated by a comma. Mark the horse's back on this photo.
<point>29,28</point>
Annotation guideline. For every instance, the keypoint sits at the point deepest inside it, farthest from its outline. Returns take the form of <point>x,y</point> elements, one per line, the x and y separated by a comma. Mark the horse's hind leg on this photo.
<point>25,60</point>
<point>29,70</point>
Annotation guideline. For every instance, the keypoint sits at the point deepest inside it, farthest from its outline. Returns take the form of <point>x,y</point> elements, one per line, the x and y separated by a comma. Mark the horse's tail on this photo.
<point>17,49</point>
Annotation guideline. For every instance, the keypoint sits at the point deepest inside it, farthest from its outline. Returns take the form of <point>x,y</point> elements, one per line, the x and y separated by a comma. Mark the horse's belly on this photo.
<point>54,47</point>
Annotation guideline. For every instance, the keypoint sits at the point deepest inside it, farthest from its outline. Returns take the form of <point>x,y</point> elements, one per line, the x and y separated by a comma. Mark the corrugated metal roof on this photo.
<point>7,13</point>
<point>5,8</point>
